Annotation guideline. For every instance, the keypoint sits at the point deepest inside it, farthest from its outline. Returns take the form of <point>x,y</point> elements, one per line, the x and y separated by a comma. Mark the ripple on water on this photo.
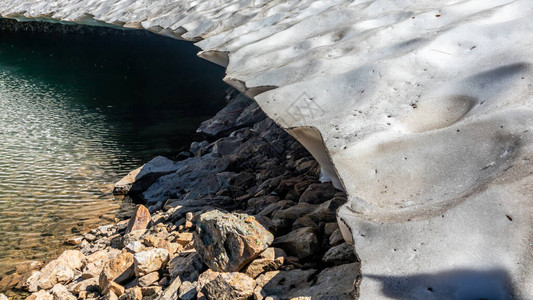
<point>56,164</point>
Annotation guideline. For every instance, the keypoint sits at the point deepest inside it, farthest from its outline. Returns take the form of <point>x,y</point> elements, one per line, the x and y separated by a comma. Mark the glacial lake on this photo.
<point>80,110</point>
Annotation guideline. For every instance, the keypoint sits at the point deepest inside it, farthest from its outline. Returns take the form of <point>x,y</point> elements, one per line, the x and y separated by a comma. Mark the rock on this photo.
<point>275,207</point>
<point>187,266</point>
<point>95,263</point>
<point>172,291</point>
<point>28,266</point>
<point>111,296</point>
<point>329,228</point>
<point>304,221</point>
<point>282,283</point>
<point>132,294</point>
<point>152,291</point>
<point>60,270</point>
<point>256,205</point>
<point>134,247</point>
<point>228,286</point>
<point>140,219</point>
<point>118,269</point>
<point>333,283</point>
<point>149,261</point>
<point>224,121</point>
<point>91,284</point>
<point>148,279</point>
<point>60,292</point>
<point>341,254</point>
<point>187,290</point>
<point>40,295</point>
<point>295,212</point>
<point>184,238</point>
<point>133,236</point>
<point>336,238</point>
<point>301,242</point>
<point>141,178</point>
<point>10,281</point>
<point>270,260</point>
<point>115,288</point>
<point>3,297</point>
<point>227,242</point>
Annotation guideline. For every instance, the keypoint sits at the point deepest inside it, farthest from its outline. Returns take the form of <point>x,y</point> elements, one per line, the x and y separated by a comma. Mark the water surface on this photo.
<point>77,112</point>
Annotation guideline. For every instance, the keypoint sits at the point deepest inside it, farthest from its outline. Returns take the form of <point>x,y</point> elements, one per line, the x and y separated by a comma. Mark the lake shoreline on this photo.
<point>247,165</point>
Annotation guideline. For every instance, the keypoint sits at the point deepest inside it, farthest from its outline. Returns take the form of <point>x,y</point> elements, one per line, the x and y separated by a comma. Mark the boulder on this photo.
<point>187,266</point>
<point>227,242</point>
<point>41,295</point>
<point>270,260</point>
<point>318,193</point>
<point>228,286</point>
<point>148,279</point>
<point>149,261</point>
<point>60,270</point>
<point>118,269</point>
<point>141,178</point>
<point>60,292</point>
<point>132,294</point>
<point>340,254</point>
<point>140,219</point>
<point>301,242</point>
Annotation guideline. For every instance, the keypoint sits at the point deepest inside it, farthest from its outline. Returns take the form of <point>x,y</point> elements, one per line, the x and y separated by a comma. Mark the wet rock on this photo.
<point>141,178</point>
<point>118,270</point>
<point>269,260</point>
<point>60,292</point>
<point>132,294</point>
<point>187,266</point>
<point>228,286</point>
<point>336,238</point>
<point>227,242</point>
<point>148,279</point>
<point>140,220</point>
<point>149,261</point>
<point>60,270</point>
<point>301,242</point>
<point>341,254</point>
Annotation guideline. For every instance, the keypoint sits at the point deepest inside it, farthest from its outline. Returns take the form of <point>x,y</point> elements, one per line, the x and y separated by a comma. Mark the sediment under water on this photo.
<point>78,110</point>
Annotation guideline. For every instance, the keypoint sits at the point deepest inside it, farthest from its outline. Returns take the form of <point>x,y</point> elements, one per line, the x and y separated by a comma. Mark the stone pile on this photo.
<point>243,216</point>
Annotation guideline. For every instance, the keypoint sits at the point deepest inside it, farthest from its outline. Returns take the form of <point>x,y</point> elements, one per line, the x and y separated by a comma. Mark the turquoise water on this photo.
<point>79,111</point>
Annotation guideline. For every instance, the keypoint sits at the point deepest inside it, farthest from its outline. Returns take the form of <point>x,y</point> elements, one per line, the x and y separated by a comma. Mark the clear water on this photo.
<point>79,111</point>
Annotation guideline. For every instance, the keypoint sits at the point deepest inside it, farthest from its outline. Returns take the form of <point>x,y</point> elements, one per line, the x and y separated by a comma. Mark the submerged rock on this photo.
<point>227,242</point>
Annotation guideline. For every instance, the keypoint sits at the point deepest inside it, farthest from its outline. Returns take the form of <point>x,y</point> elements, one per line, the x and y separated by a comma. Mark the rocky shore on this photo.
<point>241,215</point>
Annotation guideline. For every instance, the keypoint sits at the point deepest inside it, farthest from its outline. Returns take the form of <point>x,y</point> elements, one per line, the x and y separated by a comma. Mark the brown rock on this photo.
<point>140,220</point>
<point>40,295</point>
<point>187,266</point>
<point>300,242</point>
<point>148,279</point>
<point>274,207</point>
<point>118,269</point>
<point>304,221</point>
<point>60,270</point>
<point>115,288</point>
<point>171,292</point>
<point>184,238</point>
<point>10,281</point>
<point>295,212</point>
<point>228,286</point>
<point>151,291</point>
<point>94,263</point>
<point>88,284</point>
<point>132,294</point>
<point>329,228</point>
<point>227,242</point>
<point>28,266</point>
<point>149,261</point>
<point>60,292</point>
<point>271,259</point>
